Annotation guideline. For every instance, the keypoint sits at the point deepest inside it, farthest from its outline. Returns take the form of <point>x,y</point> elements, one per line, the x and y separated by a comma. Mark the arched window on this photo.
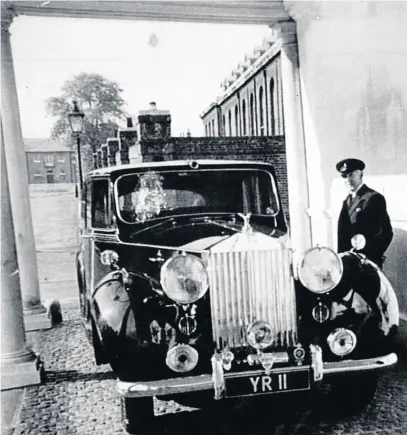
<point>251,115</point>
<point>209,128</point>
<point>206,129</point>
<point>261,110</point>
<point>230,122</point>
<point>244,117</point>
<point>224,125</point>
<point>213,128</point>
<point>272,117</point>
<point>236,120</point>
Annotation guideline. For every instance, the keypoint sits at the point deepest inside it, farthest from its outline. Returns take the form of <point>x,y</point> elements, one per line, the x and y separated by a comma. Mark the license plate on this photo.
<point>266,384</point>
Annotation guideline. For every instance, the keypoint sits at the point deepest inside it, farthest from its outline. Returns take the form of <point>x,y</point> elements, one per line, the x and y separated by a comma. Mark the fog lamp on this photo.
<point>260,335</point>
<point>182,358</point>
<point>341,341</point>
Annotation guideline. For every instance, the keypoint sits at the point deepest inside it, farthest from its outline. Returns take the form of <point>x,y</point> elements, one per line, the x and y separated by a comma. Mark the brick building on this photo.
<point>149,139</point>
<point>251,99</point>
<point>49,161</point>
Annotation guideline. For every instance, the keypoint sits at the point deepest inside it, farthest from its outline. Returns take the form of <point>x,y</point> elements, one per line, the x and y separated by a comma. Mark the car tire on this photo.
<point>138,415</point>
<point>351,394</point>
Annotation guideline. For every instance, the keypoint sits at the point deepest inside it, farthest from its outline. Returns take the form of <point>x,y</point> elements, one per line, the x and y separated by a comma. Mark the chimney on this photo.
<point>129,122</point>
<point>154,123</point>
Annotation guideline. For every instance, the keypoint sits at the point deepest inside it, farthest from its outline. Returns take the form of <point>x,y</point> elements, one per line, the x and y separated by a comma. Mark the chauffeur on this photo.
<point>363,212</point>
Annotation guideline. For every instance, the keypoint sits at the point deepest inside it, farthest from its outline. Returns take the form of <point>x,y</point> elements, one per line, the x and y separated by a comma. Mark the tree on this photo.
<point>101,101</point>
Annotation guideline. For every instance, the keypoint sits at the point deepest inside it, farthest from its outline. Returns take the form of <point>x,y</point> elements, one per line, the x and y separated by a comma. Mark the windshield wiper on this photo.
<point>153,226</point>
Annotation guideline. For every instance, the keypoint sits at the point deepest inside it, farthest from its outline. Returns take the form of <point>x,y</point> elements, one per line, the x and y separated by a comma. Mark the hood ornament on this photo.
<point>246,222</point>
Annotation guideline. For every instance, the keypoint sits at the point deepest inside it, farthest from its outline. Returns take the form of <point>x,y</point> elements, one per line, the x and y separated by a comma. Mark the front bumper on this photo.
<point>189,384</point>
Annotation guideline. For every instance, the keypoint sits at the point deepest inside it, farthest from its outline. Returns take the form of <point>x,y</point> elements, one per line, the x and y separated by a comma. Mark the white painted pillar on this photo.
<point>298,194</point>
<point>20,366</point>
<point>35,313</point>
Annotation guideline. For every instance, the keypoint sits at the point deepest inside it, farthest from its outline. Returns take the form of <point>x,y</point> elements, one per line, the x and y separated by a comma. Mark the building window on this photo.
<point>230,122</point>
<point>236,120</point>
<point>49,160</point>
<point>36,158</point>
<point>224,125</point>
<point>213,127</point>
<point>261,110</point>
<point>251,115</point>
<point>244,117</point>
<point>61,158</point>
<point>62,175</point>
<point>272,117</point>
<point>206,129</point>
<point>38,174</point>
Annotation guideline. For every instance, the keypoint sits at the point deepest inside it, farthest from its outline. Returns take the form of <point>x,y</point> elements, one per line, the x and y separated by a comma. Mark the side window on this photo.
<point>87,204</point>
<point>100,204</point>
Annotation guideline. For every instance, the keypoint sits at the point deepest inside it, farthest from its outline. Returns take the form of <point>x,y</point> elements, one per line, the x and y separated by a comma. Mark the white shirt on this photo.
<point>353,194</point>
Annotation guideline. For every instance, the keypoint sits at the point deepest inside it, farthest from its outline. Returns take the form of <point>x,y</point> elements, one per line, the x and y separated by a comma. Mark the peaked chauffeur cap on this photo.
<point>347,166</point>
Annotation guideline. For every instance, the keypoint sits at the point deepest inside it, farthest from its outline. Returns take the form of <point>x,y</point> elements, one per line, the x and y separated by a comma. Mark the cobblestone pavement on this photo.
<point>79,398</point>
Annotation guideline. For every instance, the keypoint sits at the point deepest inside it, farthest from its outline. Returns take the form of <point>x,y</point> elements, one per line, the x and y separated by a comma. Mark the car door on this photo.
<point>86,236</point>
<point>103,229</point>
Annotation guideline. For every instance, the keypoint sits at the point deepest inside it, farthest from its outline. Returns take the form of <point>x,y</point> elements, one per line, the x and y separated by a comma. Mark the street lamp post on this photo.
<point>76,118</point>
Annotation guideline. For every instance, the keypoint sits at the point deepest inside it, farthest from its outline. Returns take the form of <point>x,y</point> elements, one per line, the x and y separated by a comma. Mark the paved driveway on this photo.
<point>79,397</point>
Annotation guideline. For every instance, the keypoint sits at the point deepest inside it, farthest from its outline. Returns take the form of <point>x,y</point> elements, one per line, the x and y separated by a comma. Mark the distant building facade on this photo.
<point>251,102</point>
<point>49,161</point>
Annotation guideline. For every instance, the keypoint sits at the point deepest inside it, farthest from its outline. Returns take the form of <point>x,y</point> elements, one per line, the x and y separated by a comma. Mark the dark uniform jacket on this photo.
<point>365,214</point>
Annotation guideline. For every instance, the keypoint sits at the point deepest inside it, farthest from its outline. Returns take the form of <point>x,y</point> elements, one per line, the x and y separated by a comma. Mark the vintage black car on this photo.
<point>188,290</point>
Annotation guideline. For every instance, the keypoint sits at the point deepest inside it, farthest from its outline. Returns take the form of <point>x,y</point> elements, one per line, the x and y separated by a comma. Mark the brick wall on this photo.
<point>263,149</point>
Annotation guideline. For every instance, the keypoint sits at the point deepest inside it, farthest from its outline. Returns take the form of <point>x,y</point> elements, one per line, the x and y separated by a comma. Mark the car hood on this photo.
<point>209,233</point>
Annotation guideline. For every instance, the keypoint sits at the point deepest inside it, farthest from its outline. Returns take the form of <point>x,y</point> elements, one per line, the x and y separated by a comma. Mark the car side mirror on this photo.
<point>358,242</point>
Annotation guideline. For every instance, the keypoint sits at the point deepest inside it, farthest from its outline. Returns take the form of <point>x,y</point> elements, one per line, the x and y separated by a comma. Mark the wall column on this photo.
<point>20,366</point>
<point>35,313</point>
<point>298,195</point>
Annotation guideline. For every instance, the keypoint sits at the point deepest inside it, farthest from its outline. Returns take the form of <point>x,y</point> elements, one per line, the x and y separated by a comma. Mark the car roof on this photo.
<point>117,170</point>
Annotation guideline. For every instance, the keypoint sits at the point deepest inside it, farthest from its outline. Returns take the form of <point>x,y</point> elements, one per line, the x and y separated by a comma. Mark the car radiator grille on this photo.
<point>248,286</point>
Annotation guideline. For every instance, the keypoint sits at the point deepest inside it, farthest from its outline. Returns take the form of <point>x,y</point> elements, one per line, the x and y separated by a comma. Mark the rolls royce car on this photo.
<point>188,289</point>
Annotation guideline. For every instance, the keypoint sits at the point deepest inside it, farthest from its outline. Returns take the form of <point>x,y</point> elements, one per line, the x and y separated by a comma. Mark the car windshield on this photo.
<point>151,195</point>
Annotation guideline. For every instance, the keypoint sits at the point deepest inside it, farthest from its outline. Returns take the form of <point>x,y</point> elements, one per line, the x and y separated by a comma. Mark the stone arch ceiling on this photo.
<point>239,12</point>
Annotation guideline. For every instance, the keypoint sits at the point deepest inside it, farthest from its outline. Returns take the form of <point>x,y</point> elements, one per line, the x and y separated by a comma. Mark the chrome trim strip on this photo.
<point>165,387</point>
<point>187,384</point>
<point>360,365</point>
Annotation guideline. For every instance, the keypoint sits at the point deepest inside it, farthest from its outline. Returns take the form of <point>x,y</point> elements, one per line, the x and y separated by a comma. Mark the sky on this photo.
<point>181,73</point>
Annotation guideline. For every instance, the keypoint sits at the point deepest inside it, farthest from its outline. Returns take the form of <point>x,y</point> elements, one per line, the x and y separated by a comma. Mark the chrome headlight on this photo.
<point>184,278</point>
<point>320,269</point>
<point>341,341</point>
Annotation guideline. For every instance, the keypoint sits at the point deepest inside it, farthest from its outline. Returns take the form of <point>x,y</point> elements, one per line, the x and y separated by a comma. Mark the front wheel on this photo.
<point>353,393</point>
<point>138,415</point>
